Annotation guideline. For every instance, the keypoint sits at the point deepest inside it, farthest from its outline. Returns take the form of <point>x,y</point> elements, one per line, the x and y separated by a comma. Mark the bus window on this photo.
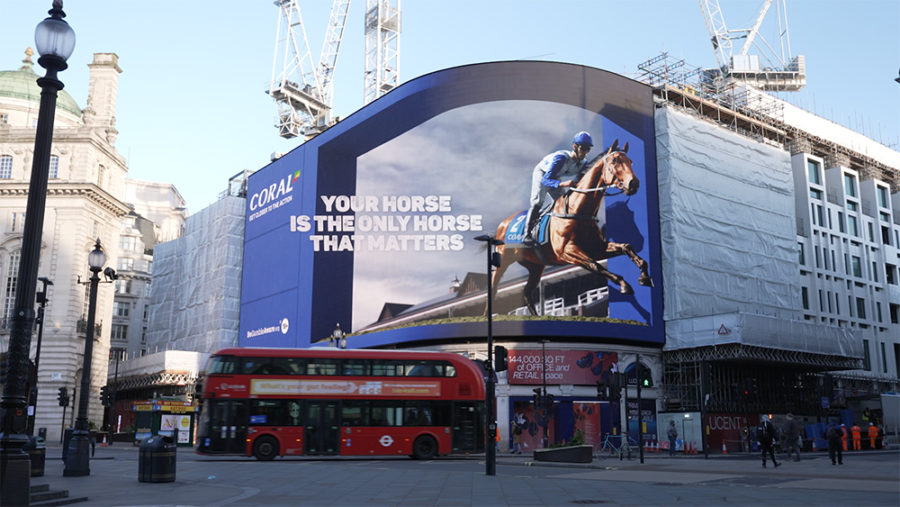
<point>353,413</point>
<point>227,365</point>
<point>256,366</point>
<point>386,413</point>
<point>449,370</point>
<point>421,369</point>
<point>384,368</point>
<point>266,413</point>
<point>320,366</point>
<point>356,367</point>
<point>288,366</point>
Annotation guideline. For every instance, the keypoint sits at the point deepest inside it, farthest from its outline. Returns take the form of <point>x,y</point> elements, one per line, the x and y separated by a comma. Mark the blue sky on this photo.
<point>192,107</point>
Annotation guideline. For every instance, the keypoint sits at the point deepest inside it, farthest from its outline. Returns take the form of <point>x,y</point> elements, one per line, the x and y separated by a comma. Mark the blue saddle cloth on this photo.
<point>515,233</point>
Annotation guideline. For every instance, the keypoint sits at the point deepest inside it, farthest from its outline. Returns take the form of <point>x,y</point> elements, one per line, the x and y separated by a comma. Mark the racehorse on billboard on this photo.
<point>574,236</point>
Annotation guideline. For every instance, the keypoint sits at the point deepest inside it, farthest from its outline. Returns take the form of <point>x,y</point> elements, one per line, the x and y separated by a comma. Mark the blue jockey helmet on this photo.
<point>583,138</point>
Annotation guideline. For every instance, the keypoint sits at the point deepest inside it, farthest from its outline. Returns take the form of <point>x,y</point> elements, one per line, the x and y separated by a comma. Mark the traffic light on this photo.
<point>602,393</point>
<point>63,397</point>
<point>501,358</point>
<point>537,398</point>
<point>645,378</point>
<point>104,396</point>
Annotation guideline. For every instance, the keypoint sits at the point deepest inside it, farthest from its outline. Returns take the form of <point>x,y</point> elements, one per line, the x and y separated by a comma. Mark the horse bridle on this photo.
<point>602,188</point>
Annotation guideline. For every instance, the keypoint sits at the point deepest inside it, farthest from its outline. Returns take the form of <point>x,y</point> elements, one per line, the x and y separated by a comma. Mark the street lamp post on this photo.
<point>490,394</point>
<point>545,437</point>
<point>55,41</point>
<point>42,301</point>
<point>78,451</point>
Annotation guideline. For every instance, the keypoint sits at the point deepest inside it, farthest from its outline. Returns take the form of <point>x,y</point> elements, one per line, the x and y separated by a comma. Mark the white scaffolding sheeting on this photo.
<point>729,241</point>
<point>195,296</point>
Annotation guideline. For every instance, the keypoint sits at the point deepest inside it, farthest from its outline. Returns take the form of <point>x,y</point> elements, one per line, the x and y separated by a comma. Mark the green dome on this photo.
<point>22,84</point>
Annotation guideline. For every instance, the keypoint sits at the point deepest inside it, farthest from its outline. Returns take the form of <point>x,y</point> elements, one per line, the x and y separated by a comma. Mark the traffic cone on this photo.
<point>655,446</point>
<point>724,449</point>
<point>104,441</point>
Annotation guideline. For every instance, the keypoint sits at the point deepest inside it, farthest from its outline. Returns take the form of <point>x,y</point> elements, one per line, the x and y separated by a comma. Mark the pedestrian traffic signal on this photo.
<point>501,358</point>
<point>63,397</point>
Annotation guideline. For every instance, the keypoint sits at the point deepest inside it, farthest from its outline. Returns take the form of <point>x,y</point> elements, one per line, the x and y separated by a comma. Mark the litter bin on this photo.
<point>156,459</point>
<point>37,453</point>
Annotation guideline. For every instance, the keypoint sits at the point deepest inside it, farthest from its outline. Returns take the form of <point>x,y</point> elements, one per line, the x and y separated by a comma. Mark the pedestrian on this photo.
<point>552,176</point>
<point>791,431</point>
<point>517,436</point>
<point>672,433</point>
<point>765,435</point>
<point>873,435</point>
<point>833,436</point>
<point>856,432</point>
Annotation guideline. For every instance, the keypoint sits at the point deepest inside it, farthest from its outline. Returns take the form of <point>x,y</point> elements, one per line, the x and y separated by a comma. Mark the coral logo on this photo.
<point>273,192</point>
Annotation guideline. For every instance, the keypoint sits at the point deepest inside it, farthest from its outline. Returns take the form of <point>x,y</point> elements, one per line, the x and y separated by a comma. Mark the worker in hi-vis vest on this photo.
<point>856,432</point>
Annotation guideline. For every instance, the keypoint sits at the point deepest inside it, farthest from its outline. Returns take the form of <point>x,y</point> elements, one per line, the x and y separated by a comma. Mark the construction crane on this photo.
<point>781,72</point>
<point>304,91</point>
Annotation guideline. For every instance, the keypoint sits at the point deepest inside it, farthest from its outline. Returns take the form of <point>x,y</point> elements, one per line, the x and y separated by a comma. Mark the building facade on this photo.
<point>87,199</point>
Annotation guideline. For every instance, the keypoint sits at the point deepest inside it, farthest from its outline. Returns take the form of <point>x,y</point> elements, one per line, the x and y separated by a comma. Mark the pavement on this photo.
<point>866,478</point>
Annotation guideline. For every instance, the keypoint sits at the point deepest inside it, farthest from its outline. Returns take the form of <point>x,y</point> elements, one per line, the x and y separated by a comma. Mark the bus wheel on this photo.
<point>424,448</point>
<point>265,448</point>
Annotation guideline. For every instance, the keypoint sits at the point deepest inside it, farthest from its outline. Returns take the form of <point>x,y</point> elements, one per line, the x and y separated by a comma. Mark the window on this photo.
<point>4,118</point>
<point>861,308</point>
<point>123,286</point>
<point>801,253</point>
<point>852,206</point>
<point>878,311</point>
<point>818,257</point>
<point>119,332</point>
<point>812,170</point>
<point>815,194</point>
<point>882,192</point>
<point>12,275</point>
<point>852,225</point>
<point>857,266</point>
<point>894,310</point>
<point>54,166</point>
<point>121,308</point>
<point>837,304</point>
<point>5,167</point>
<point>871,231</point>
<point>867,361</point>
<point>850,185</point>
<point>841,221</point>
<point>874,271</point>
<point>821,301</point>
<point>17,221</point>
<point>128,243</point>
<point>101,176</point>
<point>804,296</point>
<point>890,273</point>
<point>125,264</point>
<point>883,359</point>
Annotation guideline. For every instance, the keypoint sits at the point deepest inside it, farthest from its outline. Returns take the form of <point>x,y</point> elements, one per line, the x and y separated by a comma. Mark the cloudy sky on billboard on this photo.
<point>482,156</point>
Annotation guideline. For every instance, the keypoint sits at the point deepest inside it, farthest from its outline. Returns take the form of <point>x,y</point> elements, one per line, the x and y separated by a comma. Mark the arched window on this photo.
<point>9,288</point>
<point>54,166</point>
<point>5,167</point>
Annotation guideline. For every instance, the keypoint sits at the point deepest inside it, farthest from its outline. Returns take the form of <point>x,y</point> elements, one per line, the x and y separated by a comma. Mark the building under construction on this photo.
<point>822,334</point>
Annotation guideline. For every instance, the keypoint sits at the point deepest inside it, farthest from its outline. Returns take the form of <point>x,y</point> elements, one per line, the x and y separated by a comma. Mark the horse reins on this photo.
<point>601,188</point>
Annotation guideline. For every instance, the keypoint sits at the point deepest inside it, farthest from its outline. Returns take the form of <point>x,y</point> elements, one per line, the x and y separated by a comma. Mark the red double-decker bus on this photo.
<point>291,402</point>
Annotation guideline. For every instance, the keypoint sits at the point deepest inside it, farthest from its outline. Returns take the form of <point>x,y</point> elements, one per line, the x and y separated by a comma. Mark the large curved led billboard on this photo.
<point>372,224</point>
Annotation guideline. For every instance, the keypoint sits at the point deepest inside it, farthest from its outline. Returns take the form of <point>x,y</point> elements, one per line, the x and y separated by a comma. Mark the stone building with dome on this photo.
<point>88,197</point>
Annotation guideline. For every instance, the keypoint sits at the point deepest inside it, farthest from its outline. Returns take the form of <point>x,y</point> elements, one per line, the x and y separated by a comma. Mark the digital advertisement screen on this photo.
<point>372,224</point>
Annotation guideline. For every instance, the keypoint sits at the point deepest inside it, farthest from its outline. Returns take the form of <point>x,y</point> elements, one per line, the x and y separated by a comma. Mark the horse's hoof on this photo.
<point>646,281</point>
<point>626,290</point>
